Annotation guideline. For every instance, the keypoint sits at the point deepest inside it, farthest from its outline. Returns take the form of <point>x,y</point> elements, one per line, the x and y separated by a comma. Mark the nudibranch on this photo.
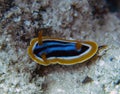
<point>46,51</point>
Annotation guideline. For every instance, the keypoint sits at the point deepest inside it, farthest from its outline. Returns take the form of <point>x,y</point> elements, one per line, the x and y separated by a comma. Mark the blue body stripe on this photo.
<point>58,49</point>
<point>51,43</point>
<point>53,49</point>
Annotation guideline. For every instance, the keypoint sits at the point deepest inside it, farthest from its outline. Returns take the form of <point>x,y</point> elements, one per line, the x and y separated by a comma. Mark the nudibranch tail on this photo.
<point>46,51</point>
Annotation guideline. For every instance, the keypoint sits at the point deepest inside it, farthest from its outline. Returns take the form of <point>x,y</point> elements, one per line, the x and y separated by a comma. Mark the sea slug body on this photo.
<point>46,51</point>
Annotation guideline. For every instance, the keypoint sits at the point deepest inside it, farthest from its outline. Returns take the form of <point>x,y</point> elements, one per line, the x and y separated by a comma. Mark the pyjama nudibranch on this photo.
<point>46,51</point>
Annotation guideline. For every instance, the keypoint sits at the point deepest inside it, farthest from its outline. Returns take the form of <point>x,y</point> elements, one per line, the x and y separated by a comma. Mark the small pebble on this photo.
<point>17,19</point>
<point>27,23</point>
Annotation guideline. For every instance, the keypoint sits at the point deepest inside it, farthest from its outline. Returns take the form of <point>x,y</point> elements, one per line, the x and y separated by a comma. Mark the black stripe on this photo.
<point>67,53</point>
<point>55,41</point>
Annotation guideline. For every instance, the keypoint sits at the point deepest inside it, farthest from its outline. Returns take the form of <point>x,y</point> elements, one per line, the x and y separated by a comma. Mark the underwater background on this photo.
<point>94,20</point>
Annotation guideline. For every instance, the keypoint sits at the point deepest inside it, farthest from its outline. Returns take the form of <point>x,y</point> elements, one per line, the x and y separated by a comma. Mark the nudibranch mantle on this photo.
<point>64,52</point>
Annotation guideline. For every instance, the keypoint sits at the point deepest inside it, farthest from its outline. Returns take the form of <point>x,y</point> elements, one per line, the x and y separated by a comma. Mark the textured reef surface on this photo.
<point>96,20</point>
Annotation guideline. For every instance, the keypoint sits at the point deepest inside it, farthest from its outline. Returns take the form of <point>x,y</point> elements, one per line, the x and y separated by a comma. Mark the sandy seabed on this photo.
<point>20,21</point>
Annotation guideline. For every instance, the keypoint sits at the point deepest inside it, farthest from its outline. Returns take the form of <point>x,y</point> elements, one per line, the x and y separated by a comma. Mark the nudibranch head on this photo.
<point>46,51</point>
